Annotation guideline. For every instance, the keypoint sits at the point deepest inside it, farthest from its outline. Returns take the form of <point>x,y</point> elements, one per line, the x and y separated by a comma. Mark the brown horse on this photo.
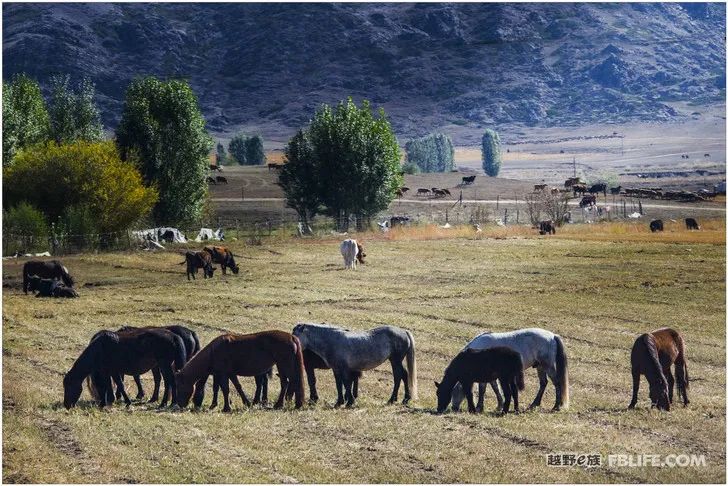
<point>231,355</point>
<point>652,355</point>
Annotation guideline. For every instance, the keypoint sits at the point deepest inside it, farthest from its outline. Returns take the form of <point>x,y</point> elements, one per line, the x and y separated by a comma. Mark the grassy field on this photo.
<point>599,287</point>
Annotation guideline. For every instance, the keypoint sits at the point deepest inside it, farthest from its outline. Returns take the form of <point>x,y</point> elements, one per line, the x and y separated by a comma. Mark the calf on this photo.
<point>656,225</point>
<point>196,260</point>
<point>691,224</point>
<point>352,251</point>
<point>546,227</point>
<point>224,257</point>
<point>422,191</point>
<point>51,269</point>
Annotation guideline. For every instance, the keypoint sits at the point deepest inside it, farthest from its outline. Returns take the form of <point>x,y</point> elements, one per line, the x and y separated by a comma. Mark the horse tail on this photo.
<point>681,366</point>
<point>298,373</point>
<point>520,379</point>
<point>196,348</point>
<point>562,372</point>
<point>180,358</point>
<point>92,388</point>
<point>411,366</point>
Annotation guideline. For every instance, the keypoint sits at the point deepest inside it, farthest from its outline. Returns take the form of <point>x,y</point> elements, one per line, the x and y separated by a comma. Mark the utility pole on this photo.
<point>574,166</point>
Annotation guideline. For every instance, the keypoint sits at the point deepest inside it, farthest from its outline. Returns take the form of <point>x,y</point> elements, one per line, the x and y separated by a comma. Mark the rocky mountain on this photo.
<point>266,67</point>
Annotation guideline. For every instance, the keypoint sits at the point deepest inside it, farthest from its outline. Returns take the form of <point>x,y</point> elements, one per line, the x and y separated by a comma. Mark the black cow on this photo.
<point>468,179</point>
<point>588,200</point>
<point>546,227</point>
<point>656,225</point>
<point>196,260</point>
<point>691,224</point>
<point>51,269</point>
<point>211,180</point>
<point>616,190</point>
<point>597,188</point>
<point>221,180</point>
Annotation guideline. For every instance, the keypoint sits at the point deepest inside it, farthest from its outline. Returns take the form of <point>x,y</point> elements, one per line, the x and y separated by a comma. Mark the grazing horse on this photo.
<point>652,355</point>
<point>192,346</point>
<point>224,257</point>
<point>691,224</point>
<point>546,227</point>
<point>597,188</point>
<point>579,189</point>
<point>422,191</point>
<point>538,348</point>
<point>352,251</point>
<point>588,200</point>
<point>615,190</point>
<point>231,355</point>
<point>404,189</point>
<point>468,180</point>
<point>110,355</point>
<point>196,260</point>
<point>49,287</point>
<point>446,191</point>
<point>656,225</point>
<point>50,269</point>
<point>482,365</point>
<point>211,180</point>
<point>348,353</point>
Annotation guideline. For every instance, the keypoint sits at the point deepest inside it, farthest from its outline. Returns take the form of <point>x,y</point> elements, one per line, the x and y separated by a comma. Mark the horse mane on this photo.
<point>87,360</point>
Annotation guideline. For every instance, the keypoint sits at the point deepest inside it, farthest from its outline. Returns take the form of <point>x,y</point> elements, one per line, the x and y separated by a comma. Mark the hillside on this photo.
<point>266,67</point>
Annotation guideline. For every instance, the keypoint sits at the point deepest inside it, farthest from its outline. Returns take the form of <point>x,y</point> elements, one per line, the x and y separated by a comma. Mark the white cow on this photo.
<point>352,251</point>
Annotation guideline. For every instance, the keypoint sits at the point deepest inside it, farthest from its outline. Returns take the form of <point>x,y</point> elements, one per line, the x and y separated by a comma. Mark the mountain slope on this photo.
<point>429,65</point>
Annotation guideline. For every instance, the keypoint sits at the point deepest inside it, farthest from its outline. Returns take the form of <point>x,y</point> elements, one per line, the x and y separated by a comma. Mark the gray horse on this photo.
<point>348,353</point>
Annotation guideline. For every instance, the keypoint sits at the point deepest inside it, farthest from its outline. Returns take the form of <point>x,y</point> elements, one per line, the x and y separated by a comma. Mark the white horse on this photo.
<point>352,251</point>
<point>540,349</point>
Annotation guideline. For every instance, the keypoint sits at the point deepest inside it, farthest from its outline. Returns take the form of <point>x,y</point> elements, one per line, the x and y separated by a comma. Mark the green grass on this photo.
<point>599,295</point>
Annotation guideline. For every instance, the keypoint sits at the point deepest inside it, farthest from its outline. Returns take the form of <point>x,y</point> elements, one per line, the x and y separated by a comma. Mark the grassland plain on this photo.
<point>599,288</point>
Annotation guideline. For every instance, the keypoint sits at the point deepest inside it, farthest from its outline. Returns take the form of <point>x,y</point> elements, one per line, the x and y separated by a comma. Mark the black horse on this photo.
<point>192,346</point>
<point>657,225</point>
<point>51,269</point>
<point>110,355</point>
<point>597,188</point>
<point>49,287</point>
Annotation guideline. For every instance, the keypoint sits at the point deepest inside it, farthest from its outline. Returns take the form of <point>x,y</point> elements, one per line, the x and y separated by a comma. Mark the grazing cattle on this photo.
<point>468,179</point>
<point>597,188</point>
<point>215,168</point>
<point>223,257</point>
<point>399,193</point>
<point>706,155</point>
<point>51,269</point>
<point>349,353</point>
<point>546,227</point>
<point>352,251</point>
<point>399,221</point>
<point>211,180</point>
<point>656,225</point>
<point>588,200</point>
<point>691,224</point>
<point>437,192</point>
<point>571,181</point>
<point>540,187</point>
<point>404,189</point>
<point>196,260</point>
<point>615,190</point>
<point>482,365</point>
<point>447,192</point>
<point>579,188</point>
<point>221,180</point>
<point>653,354</point>
<point>422,191</point>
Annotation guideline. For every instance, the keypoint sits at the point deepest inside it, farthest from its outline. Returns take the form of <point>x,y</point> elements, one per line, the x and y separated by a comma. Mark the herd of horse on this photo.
<point>174,356</point>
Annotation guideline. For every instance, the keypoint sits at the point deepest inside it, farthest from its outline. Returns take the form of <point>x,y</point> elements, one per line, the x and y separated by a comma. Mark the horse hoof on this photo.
<point>227,410</point>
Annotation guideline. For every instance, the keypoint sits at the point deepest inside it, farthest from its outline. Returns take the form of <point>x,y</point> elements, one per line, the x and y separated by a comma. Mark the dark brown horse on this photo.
<point>652,355</point>
<point>46,269</point>
<point>231,355</point>
<point>110,355</point>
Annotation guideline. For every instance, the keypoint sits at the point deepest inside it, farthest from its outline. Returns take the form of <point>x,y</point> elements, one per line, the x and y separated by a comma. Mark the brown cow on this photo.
<point>360,252</point>
<point>224,257</point>
<point>196,260</point>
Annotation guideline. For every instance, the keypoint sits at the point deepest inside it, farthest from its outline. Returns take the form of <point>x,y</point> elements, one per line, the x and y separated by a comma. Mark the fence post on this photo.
<point>505,217</point>
<point>497,202</point>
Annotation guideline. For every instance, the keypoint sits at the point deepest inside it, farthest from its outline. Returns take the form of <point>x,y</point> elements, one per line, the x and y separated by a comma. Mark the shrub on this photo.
<point>410,168</point>
<point>54,178</point>
<point>24,229</point>
<point>433,153</point>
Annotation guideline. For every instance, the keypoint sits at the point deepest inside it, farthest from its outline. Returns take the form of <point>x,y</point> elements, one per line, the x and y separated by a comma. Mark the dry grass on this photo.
<point>598,295</point>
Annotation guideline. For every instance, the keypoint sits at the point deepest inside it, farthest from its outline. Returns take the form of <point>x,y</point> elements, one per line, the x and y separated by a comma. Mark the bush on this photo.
<point>54,178</point>
<point>24,230</point>
<point>77,226</point>
<point>433,153</point>
<point>410,168</point>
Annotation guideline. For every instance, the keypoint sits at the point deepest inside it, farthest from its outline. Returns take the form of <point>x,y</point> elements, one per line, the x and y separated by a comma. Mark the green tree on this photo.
<point>355,157</point>
<point>254,153</point>
<point>162,125</point>
<point>73,113</point>
<point>25,116</point>
<point>432,153</point>
<point>54,178</point>
<point>491,153</point>
<point>299,179</point>
<point>238,149</point>
<point>221,154</point>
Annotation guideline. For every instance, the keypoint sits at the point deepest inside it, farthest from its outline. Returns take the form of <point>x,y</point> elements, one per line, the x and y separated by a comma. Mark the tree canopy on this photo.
<point>432,153</point>
<point>491,153</point>
<point>25,116</point>
<point>73,113</point>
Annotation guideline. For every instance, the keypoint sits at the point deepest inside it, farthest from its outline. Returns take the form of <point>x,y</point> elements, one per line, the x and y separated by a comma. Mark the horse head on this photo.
<point>71,390</point>
<point>658,395</point>
<point>185,388</point>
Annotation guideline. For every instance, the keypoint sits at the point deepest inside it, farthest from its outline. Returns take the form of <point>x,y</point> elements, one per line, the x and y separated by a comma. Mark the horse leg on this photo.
<point>348,382</point>
<point>157,380</point>
<point>258,388</point>
<point>215,390</point>
<point>239,389</point>
<point>555,380</point>
<point>339,389</point>
<point>225,387</point>
<point>542,382</point>
<point>118,389</point>
<point>119,381</point>
<point>507,392</point>
<point>635,388</point>
<point>670,382</point>
<point>105,391</point>
<point>140,390</point>
<point>199,395</point>
<point>355,388</point>
<point>514,393</point>
<point>311,378</point>
<point>264,393</point>
<point>397,370</point>
<point>468,391</point>
<point>498,396</point>
<point>170,388</point>
<point>481,397</point>
<point>284,389</point>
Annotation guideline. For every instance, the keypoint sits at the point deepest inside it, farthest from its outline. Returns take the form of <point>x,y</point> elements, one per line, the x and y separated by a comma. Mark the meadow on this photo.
<point>597,286</point>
